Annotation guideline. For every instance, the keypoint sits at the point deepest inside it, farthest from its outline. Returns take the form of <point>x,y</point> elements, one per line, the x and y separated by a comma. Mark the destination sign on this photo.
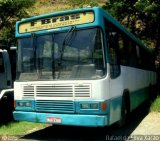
<point>56,22</point>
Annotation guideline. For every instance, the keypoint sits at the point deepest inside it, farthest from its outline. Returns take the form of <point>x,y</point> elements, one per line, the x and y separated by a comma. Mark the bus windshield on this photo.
<point>74,54</point>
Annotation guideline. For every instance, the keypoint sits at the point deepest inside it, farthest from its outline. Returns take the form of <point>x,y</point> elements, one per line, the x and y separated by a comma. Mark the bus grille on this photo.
<point>57,90</point>
<point>58,106</point>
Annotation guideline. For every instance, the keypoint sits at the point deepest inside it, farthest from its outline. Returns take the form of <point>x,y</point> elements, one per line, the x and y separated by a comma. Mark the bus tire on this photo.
<point>152,94</point>
<point>7,103</point>
<point>124,110</point>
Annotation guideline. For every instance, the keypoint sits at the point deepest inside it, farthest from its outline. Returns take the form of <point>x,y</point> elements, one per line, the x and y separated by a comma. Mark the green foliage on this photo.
<point>82,3</point>
<point>125,12</point>
<point>151,12</point>
<point>141,17</point>
<point>155,107</point>
<point>11,11</point>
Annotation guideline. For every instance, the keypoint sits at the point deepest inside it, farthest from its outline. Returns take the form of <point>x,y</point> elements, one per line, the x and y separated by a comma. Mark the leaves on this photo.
<point>11,11</point>
<point>141,17</point>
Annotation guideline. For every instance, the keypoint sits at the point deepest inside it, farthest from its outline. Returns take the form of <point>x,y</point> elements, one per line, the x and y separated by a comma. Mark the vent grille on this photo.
<point>55,106</point>
<point>55,90</point>
<point>28,91</point>
<point>82,91</point>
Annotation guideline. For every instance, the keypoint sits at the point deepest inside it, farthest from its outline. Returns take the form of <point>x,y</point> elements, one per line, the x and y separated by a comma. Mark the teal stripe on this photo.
<point>138,97</point>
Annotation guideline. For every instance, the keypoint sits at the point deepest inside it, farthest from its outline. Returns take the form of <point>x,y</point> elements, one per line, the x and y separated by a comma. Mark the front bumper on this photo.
<point>62,119</point>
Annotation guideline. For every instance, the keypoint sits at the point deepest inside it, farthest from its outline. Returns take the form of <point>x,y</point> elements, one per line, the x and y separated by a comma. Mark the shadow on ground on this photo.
<point>71,133</point>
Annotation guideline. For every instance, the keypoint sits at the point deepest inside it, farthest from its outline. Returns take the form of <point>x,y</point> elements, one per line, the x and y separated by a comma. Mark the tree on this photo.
<point>11,11</point>
<point>150,8</point>
<point>125,12</point>
<point>141,17</point>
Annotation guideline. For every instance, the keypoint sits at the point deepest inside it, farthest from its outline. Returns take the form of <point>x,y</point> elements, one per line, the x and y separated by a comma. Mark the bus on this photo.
<point>81,68</point>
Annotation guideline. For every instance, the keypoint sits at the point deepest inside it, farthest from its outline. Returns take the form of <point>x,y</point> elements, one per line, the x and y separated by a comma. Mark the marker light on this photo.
<point>14,104</point>
<point>103,106</point>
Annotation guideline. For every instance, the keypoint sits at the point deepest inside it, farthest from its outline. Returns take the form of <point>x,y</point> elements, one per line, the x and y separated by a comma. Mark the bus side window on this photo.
<point>1,63</point>
<point>113,53</point>
<point>132,52</point>
<point>112,36</point>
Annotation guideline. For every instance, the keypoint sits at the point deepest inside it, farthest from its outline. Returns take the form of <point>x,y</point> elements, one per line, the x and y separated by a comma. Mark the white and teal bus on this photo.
<point>79,67</point>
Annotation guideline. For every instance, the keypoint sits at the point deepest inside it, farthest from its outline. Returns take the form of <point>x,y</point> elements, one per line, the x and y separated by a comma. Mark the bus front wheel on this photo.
<point>124,111</point>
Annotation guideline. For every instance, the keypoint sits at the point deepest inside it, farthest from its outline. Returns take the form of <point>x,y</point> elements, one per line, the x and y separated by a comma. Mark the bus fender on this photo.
<point>6,92</point>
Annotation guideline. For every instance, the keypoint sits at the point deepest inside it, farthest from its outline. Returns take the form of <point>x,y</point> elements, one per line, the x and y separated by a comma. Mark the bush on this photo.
<point>155,107</point>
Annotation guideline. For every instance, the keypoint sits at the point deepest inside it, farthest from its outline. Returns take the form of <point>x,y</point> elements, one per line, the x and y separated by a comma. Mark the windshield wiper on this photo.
<point>67,39</point>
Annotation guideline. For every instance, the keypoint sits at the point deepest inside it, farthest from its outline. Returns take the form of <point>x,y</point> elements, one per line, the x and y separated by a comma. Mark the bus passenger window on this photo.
<point>132,53</point>
<point>113,53</point>
<point>1,63</point>
<point>112,36</point>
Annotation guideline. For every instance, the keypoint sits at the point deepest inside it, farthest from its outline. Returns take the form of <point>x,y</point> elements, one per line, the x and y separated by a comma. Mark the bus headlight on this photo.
<point>85,106</point>
<point>89,106</point>
<point>23,104</point>
<point>20,104</point>
<point>28,104</point>
<point>94,106</point>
